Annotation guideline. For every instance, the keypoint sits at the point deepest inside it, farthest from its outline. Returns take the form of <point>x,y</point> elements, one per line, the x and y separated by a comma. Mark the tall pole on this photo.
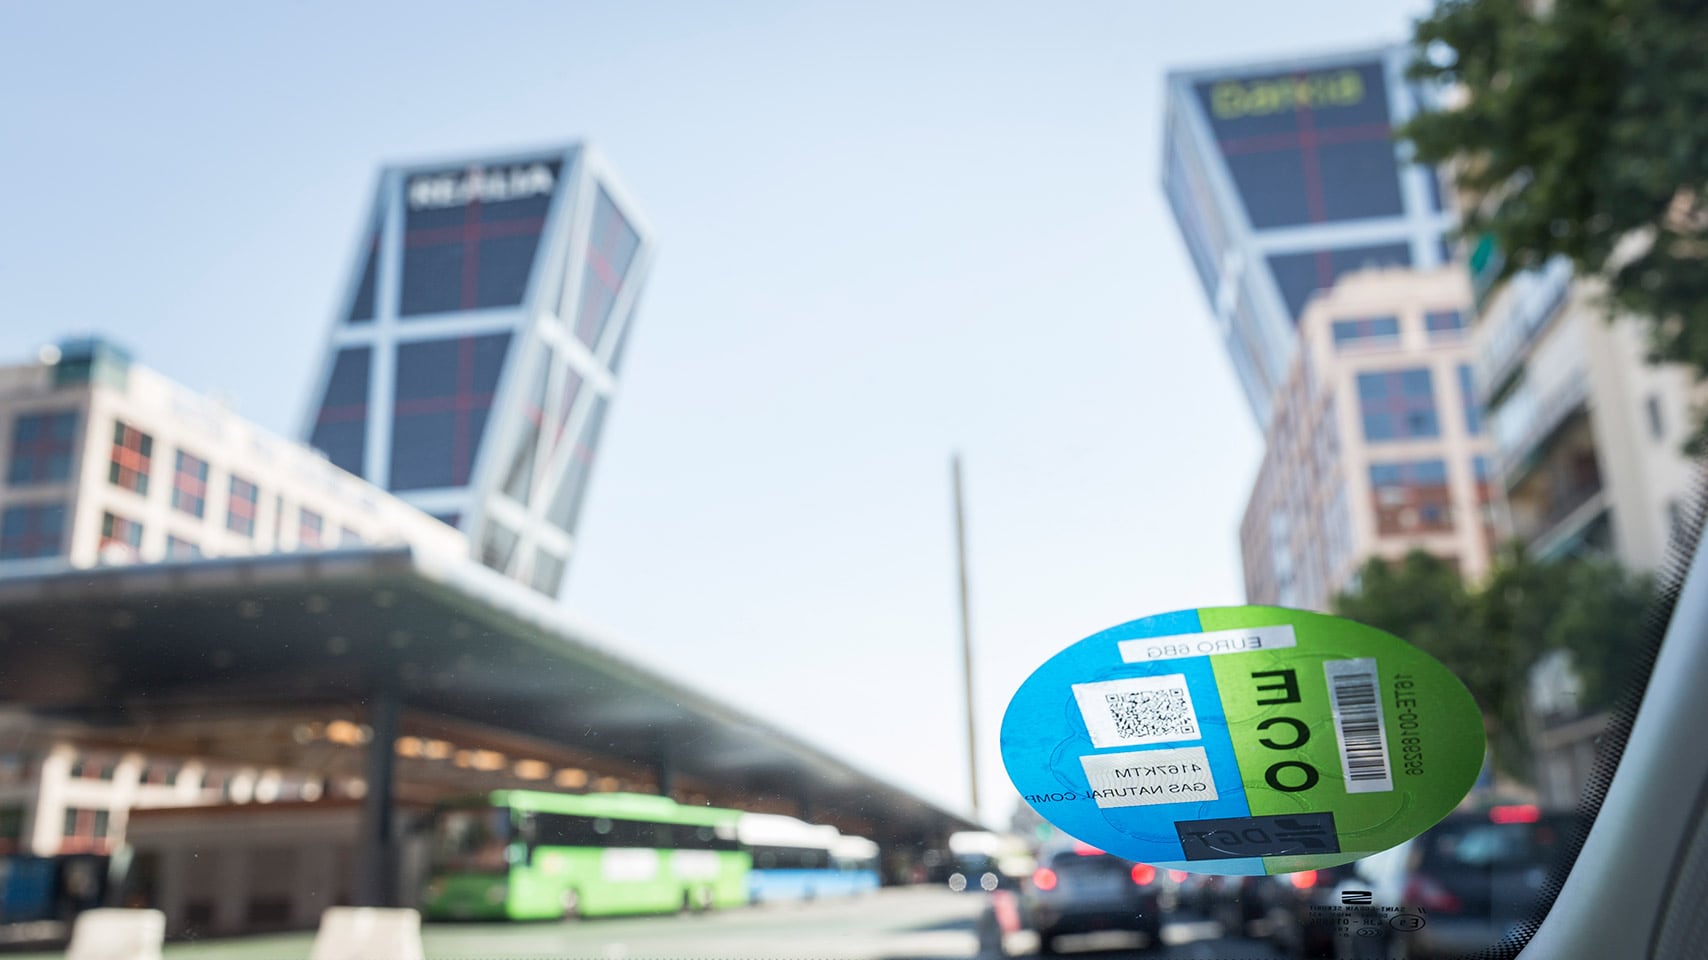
<point>966,636</point>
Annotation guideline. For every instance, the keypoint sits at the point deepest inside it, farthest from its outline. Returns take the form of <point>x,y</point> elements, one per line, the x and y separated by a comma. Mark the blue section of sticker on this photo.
<point>1048,747</point>
<point>1243,867</point>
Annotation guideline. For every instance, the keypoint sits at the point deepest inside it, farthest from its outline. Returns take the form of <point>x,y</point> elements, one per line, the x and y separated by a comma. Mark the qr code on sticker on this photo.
<point>1143,714</point>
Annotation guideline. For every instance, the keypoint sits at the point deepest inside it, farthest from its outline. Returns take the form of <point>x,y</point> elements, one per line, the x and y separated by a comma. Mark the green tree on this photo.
<point>1492,635</point>
<point>1581,130</point>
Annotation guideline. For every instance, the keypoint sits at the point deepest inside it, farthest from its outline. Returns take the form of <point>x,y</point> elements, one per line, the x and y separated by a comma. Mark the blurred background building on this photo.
<point>471,365</point>
<point>1409,397</point>
<point>108,462</point>
<point>1283,175</point>
<point>1588,436</point>
<point>1375,446</point>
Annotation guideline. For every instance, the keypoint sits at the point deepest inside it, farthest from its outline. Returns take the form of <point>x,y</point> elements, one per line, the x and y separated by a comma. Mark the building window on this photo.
<point>519,476</point>
<point>93,768</point>
<point>1468,394</point>
<point>32,530</point>
<point>41,448</point>
<point>162,773</point>
<point>1366,330</point>
<point>470,236</point>
<point>1657,426</point>
<point>498,546</point>
<point>120,532</point>
<point>547,573</point>
<point>11,828</point>
<point>610,251</point>
<point>341,426</point>
<point>310,527</point>
<point>1398,405</point>
<point>1302,274</point>
<point>1441,323</point>
<point>241,508</point>
<point>1307,148</point>
<point>1411,497</point>
<point>572,487</point>
<point>85,830</point>
<point>190,485</point>
<point>348,537</point>
<point>131,452</point>
<point>444,393</point>
<point>178,548</point>
<point>362,307</point>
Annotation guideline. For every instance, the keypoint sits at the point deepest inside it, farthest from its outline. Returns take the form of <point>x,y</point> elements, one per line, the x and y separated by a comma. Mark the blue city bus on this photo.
<point>793,860</point>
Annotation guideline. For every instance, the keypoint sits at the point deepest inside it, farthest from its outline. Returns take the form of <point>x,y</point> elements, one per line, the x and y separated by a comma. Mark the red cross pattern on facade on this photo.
<point>1308,139</point>
<point>469,235</point>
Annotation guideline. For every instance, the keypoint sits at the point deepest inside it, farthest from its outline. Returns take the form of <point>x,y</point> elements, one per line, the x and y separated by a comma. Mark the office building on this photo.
<point>474,354</point>
<point>106,462</point>
<point>1283,176</point>
<point>1375,446</point>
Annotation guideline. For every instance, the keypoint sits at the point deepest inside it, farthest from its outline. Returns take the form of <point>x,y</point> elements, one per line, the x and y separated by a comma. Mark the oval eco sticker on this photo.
<point>1243,740</point>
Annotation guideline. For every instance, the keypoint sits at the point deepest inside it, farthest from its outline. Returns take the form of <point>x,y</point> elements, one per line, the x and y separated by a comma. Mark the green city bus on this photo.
<point>524,855</point>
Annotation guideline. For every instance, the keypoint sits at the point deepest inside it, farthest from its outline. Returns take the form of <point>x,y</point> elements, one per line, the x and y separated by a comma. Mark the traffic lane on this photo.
<point>917,923</point>
<point>1182,939</point>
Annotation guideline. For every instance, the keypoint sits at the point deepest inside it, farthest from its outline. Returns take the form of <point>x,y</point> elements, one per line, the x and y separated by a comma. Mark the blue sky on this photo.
<point>887,231</point>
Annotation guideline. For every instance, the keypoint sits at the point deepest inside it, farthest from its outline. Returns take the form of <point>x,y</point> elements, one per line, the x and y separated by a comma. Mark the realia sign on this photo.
<point>482,184</point>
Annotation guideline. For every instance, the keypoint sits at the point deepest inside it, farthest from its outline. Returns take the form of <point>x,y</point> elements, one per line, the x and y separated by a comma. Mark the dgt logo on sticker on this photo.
<point>1277,836</point>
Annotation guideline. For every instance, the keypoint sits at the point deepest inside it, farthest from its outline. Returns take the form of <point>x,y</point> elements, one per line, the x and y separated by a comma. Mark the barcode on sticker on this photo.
<point>1358,725</point>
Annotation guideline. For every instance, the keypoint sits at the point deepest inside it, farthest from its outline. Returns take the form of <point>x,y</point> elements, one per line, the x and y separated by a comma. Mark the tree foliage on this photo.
<point>1491,635</point>
<point>1581,130</point>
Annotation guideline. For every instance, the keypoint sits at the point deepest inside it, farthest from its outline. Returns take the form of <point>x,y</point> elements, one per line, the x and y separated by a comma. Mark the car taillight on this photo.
<point>1178,876</point>
<point>1515,813</point>
<point>1044,878</point>
<point>1303,880</point>
<point>1143,874</point>
<point>1424,891</point>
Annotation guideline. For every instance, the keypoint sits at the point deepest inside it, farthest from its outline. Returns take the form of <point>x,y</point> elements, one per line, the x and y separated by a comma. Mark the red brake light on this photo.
<point>1044,878</point>
<point>1303,880</point>
<point>1425,892</point>
<point>1515,813</point>
<point>1178,876</point>
<point>1085,849</point>
<point>1143,874</point>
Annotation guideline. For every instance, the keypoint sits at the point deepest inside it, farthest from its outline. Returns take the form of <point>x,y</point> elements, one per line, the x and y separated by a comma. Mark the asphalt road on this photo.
<point>894,924</point>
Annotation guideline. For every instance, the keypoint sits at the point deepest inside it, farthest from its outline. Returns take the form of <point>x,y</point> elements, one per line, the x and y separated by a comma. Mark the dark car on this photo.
<point>1083,890</point>
<point>1475,876</point>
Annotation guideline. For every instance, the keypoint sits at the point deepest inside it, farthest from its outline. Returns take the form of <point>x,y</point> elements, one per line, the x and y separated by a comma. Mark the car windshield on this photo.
<point>871,481</point>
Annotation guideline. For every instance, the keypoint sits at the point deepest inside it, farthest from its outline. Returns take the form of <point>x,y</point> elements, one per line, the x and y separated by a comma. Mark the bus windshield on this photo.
<point>471,840</point>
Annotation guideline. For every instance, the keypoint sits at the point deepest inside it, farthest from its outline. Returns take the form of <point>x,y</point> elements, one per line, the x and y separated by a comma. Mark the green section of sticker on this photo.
<point>1351,721</point>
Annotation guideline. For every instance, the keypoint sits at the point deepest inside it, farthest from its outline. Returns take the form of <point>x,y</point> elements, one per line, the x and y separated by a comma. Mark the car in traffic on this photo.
<point>1474,877</point>
<point>1083,890</point>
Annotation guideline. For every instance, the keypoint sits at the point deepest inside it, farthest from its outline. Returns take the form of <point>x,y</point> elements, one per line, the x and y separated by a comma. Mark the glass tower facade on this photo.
<point>1282,177</point>
<point>474,355</point>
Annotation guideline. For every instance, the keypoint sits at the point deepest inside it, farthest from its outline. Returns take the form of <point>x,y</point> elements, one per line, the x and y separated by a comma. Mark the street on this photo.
<point>894,924</point>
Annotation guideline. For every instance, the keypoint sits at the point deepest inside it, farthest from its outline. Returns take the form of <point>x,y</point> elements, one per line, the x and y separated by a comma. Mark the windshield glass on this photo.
<point>877,481</point>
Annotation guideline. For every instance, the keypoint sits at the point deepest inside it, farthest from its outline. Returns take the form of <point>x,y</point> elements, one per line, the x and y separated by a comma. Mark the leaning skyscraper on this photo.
<point>1284,175</point>
<point>473,357</point>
